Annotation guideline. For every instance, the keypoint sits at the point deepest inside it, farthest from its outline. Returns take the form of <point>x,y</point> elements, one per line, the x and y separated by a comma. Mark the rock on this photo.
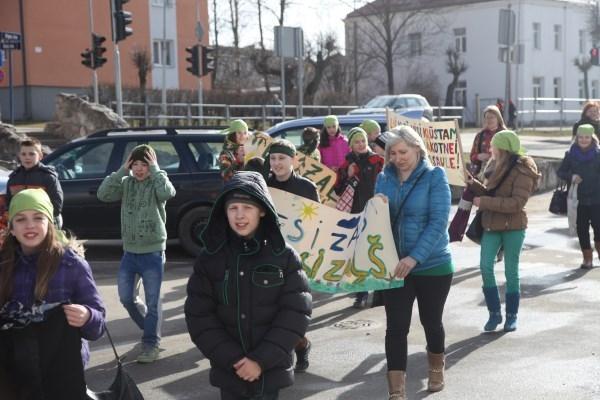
<point>75,117</point>
<point>9,145</point>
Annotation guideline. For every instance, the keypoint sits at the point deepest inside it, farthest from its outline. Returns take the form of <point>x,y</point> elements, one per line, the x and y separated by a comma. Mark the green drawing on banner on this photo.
<point>375,244</point>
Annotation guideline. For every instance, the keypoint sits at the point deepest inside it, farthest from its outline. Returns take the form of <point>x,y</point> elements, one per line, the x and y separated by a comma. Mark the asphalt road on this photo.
<point>554,354</point>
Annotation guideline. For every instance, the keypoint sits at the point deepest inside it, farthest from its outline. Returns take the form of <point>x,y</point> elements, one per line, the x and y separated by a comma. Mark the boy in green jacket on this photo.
<point>143,190</point>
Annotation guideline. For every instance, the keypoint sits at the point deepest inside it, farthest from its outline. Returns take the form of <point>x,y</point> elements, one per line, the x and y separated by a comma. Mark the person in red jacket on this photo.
<point>481,151</point>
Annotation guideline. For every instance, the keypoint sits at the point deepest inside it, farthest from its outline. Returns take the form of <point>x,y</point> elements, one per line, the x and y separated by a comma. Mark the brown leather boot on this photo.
<point>396,385</point>
<point>436,371</point>
<point>588,259</point>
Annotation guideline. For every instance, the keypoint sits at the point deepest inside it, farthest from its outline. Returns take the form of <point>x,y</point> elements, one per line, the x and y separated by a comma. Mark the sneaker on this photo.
<point>302,358</point>
<point>359,304</point>
<point>148,355</point>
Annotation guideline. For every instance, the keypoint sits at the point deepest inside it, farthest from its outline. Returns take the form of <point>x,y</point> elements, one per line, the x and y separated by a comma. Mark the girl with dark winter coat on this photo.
<point>49,304</point>
<point>481,150</point>
<point>513,177</point>
<point>333,145</point>
<point>581,165</point>
<point>590,114</point>
<point>248,302</point>
<point>360,170</point>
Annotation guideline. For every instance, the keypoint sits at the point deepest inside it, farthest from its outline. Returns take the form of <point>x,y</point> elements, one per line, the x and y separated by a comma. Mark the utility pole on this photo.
<point>94,73</point>
<point>199,35</point>
<point>509,48</point>
<point>163,52</point>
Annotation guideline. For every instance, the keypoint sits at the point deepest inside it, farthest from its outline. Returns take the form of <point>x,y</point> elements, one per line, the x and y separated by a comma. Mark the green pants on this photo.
<point>512,242</point>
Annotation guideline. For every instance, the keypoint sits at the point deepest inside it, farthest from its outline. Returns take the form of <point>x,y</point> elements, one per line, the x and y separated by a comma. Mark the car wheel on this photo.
<point>190,226</point>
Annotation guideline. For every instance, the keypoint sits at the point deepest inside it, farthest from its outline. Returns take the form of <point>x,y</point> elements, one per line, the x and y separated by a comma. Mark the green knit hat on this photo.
<point>330,120</point>
<point>370,126</point>
<point>282,146</point>
<point>508,141</point>
<point>585,130</point>
<point>31,199</point>
<point>139,153</point>
<point>356,133</point>
<point>238,125</point>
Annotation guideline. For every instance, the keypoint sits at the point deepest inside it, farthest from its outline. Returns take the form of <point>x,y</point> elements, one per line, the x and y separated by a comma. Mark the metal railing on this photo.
<point>220,114</point>
<point>559,111</point>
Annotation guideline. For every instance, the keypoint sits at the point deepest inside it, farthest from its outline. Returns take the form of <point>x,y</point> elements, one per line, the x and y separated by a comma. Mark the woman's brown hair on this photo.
<point>589,105</point>
<point>495,169</point>
<point>51,252</point>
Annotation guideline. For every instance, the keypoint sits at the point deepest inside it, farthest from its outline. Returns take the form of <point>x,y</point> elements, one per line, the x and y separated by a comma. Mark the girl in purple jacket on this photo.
<point>334,145</point>
<point>43,279</point>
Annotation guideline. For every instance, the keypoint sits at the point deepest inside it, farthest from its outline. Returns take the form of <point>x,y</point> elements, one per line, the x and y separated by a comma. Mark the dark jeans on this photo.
<point>232,396</point>
<point>431,293</point>
<point>587,215</point>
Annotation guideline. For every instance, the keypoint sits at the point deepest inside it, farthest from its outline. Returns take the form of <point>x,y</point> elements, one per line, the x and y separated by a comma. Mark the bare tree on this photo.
<point>264,56</point>
<point>280,12</point>
<point>140,57</point>
<point>584,64</point>
<point>318,60</point>
<point>386,28</point>
<point>216,36</point>
<point>234,10</point>
<point>455,66</point>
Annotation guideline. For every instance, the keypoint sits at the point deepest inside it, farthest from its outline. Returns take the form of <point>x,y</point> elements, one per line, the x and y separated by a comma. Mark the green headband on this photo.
<point>508,141</point>
<point>356,133</point>
<point>370,126</point>
<point>31,199</point>
<point>585,130</point>
<point>330,120</point>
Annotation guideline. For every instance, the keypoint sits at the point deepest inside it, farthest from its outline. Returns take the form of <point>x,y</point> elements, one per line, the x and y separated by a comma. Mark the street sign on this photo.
<point>10,41</point>
<point>507,27</point>
<point>289,42</point>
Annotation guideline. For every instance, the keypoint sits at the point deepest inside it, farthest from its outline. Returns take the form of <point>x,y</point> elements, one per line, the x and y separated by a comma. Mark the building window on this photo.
<point>537,35</point>
<point>414,40</point>
<point>557,37</point>
<point>162,52</point>
<point>460,94</point>
<point>160,3</point>
<point>581,41</point>
<point>460,40</point>
<point>538,88</point>
<point>557,89</point>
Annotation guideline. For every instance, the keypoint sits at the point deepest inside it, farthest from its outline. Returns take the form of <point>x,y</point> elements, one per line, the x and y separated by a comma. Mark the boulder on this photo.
<point>75,117</point>
<point>9,145</point>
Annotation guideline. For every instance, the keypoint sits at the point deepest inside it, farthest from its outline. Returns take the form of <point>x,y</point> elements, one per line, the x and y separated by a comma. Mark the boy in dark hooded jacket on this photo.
<point>248,302</point>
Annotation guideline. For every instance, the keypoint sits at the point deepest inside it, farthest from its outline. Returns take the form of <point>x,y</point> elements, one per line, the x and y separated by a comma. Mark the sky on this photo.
<point>313,16</point>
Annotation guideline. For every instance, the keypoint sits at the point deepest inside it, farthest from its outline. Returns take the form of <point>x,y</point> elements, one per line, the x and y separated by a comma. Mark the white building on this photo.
<point>550,33</point>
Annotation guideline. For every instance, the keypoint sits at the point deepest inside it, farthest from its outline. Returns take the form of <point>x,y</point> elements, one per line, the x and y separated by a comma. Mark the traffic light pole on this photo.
<point>118,93</point>
<point>94,73</point>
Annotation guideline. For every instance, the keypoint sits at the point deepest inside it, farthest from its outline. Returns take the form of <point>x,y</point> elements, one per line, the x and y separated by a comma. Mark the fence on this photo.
<point>189,114</point>
<point>544,111</point>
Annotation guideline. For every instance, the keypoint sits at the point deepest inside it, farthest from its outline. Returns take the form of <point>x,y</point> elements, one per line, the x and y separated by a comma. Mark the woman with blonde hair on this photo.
<point>511,179</point>
<point>419,201</point>
<point>481,151</point>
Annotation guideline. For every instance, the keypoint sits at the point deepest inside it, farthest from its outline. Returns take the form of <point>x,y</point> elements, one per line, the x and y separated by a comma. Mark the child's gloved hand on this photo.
<point>247,369</point>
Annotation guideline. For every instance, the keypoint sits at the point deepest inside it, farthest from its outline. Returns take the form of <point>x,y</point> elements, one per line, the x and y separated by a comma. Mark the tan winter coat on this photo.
<point>506,210</point>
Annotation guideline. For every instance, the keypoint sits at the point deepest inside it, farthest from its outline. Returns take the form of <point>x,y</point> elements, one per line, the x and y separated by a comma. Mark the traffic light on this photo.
<point>208,61</point>
<point>121,20</point>
<point>193,59</point>
<point>595,56</point>
<point>87,59</point>
<point>98,50</point>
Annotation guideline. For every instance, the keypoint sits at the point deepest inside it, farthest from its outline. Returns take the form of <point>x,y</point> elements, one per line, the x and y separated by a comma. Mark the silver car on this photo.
<point>412,106</point>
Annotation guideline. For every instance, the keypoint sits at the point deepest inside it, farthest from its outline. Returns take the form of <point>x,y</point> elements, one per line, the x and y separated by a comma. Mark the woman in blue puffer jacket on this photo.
<point>419,201</point>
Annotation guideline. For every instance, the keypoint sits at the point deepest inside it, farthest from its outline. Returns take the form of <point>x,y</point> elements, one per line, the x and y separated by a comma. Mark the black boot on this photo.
<point>302,357</point>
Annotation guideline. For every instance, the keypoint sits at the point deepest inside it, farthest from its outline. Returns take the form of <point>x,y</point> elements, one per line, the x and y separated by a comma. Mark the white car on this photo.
<point>409,105</point>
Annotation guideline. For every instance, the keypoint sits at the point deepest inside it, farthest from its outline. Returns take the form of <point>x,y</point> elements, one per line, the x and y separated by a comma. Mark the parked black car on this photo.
<point>188,155</point>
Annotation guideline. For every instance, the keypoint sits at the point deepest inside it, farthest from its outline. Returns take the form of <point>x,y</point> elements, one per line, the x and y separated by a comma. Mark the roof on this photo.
<point>378,6</point>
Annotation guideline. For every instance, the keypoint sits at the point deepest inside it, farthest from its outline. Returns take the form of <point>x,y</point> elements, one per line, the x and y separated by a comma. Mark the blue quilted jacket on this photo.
<point>421,230</point>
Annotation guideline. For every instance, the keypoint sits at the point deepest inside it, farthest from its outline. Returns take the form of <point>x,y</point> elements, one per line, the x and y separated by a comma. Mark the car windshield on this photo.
<point>380,102</point>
